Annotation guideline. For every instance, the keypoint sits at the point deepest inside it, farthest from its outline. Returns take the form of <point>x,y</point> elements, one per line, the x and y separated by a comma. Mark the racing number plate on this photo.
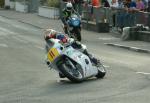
<point>52,54</point>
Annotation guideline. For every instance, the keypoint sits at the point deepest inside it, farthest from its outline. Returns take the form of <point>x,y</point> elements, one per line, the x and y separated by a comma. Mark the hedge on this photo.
<point>1,3</point>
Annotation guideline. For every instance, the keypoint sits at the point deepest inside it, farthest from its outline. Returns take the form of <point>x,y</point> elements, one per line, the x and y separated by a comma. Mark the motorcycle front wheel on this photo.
<point>70,71</point>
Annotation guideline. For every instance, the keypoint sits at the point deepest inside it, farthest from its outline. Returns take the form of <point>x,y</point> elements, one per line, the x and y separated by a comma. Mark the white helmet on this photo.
<point>69,6</point>
<point>49,33</point>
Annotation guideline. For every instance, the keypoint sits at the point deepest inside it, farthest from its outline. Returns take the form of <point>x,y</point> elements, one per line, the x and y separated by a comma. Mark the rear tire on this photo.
<point>102,72</point>
<point>78,34</point>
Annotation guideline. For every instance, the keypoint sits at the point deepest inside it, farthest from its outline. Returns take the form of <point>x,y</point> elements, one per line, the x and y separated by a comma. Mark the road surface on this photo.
<point>24,78</point>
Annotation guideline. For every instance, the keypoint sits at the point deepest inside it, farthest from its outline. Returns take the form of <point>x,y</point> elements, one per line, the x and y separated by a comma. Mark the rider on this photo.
<point>66,13</point>
<point>50,33</point>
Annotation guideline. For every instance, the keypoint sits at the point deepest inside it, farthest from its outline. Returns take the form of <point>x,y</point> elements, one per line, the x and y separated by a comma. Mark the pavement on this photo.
<point>41,22</point>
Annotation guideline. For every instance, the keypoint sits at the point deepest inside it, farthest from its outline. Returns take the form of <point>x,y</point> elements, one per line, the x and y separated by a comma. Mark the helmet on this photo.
<point>69,6</point>
<point>49,33</point>
<point>62,38</point>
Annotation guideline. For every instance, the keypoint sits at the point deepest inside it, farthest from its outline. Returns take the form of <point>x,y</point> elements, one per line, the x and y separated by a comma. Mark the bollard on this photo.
<point>149,20</point>
<point>103,27</point>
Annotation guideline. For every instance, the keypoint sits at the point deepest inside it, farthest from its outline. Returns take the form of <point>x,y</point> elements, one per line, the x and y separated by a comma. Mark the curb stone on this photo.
<point>30,24</point>
<point>129,48</point>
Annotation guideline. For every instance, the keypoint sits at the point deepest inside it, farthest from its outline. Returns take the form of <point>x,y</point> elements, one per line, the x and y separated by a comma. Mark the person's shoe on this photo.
<point>96,62</point>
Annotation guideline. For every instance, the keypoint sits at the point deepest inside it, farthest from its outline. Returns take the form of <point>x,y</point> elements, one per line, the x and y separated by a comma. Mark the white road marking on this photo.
<point>6,31</point>
<point>3,33</point>
<point>20,27</point>
<point>105,38</point>
<point>145,73</point>
<point>3,19</point>
<point>3,45</point>
<point>19,39</point>
<point>106,66</point>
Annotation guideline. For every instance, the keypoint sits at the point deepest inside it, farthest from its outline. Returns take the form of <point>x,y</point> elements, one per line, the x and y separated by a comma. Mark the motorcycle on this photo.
<point>74,27</point>
<point>72,63</point>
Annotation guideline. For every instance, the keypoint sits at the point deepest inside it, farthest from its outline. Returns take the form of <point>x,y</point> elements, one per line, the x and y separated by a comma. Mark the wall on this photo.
<point>7,2</point>
<point>49,12</point>
<point>21,7</point>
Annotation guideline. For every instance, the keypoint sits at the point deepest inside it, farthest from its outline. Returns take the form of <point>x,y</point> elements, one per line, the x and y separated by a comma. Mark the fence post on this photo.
<point>149,20</point>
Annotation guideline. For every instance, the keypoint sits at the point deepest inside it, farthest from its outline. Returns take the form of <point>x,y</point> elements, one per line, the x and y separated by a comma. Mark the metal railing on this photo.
<point>116,17</point>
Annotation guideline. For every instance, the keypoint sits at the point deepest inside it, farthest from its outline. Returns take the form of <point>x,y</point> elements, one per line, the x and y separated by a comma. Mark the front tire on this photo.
<point>72,73</point>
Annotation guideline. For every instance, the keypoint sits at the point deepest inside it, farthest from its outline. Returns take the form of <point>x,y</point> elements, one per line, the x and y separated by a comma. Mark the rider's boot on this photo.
<point>94,60</point>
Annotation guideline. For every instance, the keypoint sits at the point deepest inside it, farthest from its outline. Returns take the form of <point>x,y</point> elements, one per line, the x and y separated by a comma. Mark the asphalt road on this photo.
<point>24,78</point>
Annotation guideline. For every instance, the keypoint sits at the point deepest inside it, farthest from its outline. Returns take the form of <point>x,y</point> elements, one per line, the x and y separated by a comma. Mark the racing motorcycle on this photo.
<point>74,27</point>
<point>71,63</point>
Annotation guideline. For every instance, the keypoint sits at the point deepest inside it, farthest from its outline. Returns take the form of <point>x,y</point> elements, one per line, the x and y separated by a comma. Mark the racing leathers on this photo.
<point>65,17</point>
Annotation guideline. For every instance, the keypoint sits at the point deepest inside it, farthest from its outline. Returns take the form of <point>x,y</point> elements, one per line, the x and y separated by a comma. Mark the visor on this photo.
<point>69,8</point>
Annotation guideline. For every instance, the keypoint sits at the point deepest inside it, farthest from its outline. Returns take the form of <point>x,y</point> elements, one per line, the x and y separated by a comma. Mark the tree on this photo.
<point>53,3</point>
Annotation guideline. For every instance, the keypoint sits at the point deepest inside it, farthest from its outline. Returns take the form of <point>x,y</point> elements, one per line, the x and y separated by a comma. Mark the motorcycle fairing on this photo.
<point>83,60</point>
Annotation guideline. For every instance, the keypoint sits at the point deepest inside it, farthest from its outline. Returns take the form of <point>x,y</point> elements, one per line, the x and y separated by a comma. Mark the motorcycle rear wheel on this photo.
<point>78,34</point>
<point>101,71</point>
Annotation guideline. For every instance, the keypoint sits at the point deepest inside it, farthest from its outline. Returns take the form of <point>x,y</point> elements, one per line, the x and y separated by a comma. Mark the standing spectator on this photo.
<point>96,3</point>
<point>114,5</point>
<point>78,6</point>
<point>132,14</point>
<point>145,4</point>
<point>140,5</point>
<point>133,4</point>
<point>106,3</point>
<point>120,4</point>
<point>127,3</point>
<point>148,9</point>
